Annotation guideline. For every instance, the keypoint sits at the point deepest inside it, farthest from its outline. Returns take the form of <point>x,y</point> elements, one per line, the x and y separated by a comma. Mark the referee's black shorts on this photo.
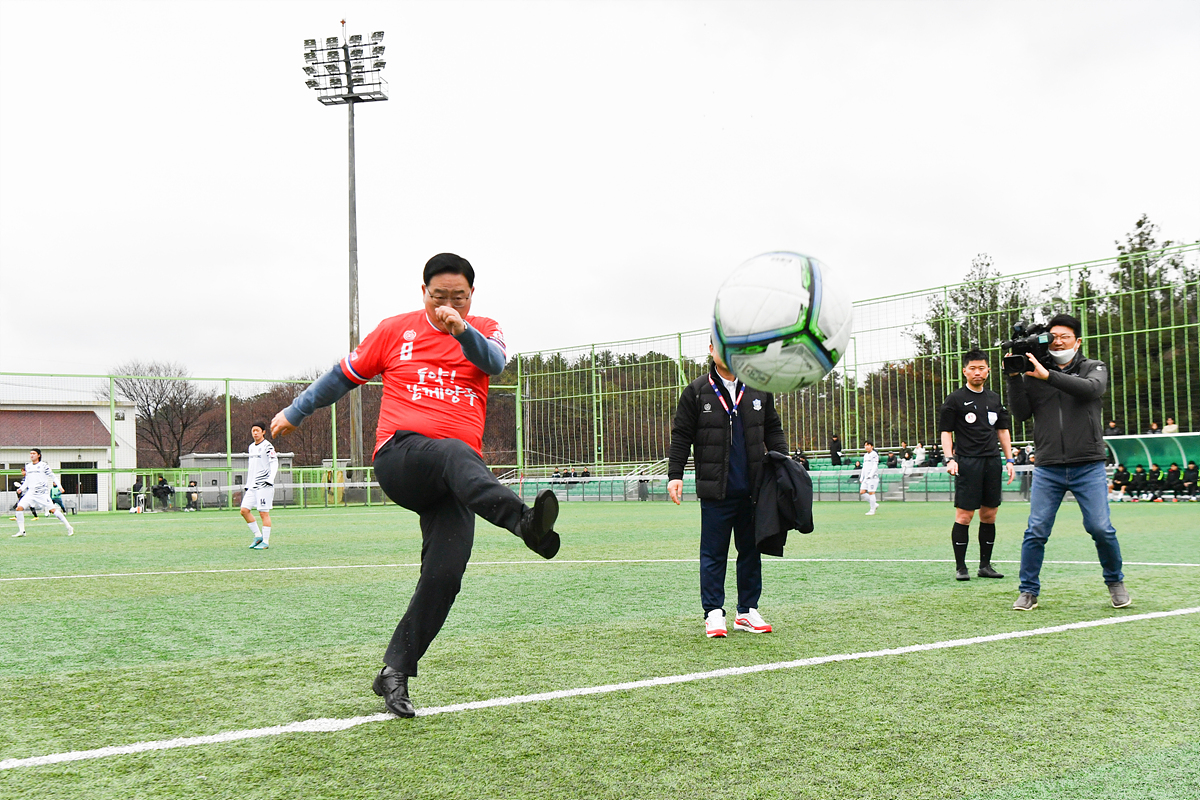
<point>978,483</point>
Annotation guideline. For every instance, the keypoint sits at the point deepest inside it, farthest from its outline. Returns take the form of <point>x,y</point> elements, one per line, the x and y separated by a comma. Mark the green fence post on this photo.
<point>520,420</point>
<point>112,445</point>
<point>228,450</point>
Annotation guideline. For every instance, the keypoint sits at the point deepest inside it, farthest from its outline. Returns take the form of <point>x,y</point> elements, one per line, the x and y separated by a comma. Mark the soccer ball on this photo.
<point>781,321</point>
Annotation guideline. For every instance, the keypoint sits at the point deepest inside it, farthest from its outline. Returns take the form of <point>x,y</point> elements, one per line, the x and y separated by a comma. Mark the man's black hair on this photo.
<point>868,441</point>
<point>448,262</point>
<point>1067,321</point>
<point>262,425</point>
<point>974,355</point>
<point>36,450</point>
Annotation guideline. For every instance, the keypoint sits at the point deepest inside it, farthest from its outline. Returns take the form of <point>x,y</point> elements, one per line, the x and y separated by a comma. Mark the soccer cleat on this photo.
<point>257,541</point>
<point>17,534</point>
<point>260,545</point>
<point>537,525</point>
<point>1027,601</point>
<point>962,574</point>
<point>870,513</point>
<point>751,621</point>
<point>714,624</point>
<point>392,686</point>
<point>1119,595</point>
<point>70,531</point>
<point>988,571</point>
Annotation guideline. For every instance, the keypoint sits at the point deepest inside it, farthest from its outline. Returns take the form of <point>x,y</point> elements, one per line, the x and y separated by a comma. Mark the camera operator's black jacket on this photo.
<point>1066,411</point>
<point>701,420</point>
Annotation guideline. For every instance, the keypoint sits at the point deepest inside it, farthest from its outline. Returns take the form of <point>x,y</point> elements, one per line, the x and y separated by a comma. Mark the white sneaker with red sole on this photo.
<point>714,624</point>
<point>751,621</point>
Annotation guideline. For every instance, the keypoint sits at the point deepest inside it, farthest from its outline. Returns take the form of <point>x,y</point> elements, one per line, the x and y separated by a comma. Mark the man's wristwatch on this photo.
<point>1010,461</point>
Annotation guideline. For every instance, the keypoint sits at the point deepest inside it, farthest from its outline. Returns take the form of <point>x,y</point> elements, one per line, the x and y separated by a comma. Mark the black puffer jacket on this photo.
<point>1066,410</point>
<point>700,420</point>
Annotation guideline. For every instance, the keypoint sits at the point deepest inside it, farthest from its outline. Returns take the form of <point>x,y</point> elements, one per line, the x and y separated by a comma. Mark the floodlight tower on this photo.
<point>346,73</point>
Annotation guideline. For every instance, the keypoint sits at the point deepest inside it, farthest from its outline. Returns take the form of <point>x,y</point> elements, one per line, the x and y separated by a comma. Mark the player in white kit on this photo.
<point>259,491</point>
<point>35,493</point>
<point>869,480</point>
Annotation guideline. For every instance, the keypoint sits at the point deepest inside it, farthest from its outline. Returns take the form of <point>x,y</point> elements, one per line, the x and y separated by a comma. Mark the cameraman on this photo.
<point>1065,404</point>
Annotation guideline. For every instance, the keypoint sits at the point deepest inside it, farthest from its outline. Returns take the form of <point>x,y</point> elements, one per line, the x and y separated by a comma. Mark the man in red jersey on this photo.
<point>435,364</point>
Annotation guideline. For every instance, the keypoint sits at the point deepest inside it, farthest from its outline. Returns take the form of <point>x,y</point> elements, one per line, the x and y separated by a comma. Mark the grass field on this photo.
<point>224,639</point>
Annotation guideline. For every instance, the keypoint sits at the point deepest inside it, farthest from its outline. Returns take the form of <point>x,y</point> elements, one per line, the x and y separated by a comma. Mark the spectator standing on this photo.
<point>728,426</point>
<point>919,455</point>
<point>1065,403</point>
<point>906,457</point>
<point>163,491</point>
<point>835,451</point>
<point>1153,429</point>
<point>1170,427</point>
<point>1114,429</point>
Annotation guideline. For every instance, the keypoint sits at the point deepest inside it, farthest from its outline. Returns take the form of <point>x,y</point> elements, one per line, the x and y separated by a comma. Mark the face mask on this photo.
<point>1064,356</point>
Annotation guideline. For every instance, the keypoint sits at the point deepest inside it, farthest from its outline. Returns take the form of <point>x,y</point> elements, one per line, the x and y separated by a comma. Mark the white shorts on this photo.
<point>260,499</point>
<point>869,485</point>
<point>38,502</point>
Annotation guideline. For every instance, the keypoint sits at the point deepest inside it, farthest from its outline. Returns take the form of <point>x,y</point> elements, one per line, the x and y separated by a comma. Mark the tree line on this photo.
<point>1139,312</point>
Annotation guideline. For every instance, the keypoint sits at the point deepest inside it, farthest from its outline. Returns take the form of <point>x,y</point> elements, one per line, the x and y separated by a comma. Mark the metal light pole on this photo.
<point>352,74</point>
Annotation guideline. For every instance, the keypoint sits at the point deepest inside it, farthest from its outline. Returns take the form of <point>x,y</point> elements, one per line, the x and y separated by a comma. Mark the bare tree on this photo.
<point>174,415</point>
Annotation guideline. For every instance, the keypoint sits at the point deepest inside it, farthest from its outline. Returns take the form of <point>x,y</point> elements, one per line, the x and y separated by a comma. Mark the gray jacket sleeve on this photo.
<point>324,391</point>
<point>483,353</point>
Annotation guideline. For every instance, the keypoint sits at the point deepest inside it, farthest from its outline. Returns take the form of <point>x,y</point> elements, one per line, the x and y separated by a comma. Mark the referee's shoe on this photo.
<point>988,571</point>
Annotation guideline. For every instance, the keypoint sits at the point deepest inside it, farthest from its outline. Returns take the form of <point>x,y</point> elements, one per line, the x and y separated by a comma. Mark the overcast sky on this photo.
<point>171,190</point>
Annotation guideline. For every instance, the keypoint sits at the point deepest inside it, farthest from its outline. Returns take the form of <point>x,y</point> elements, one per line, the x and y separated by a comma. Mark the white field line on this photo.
<point>552,563</point>
<point>331,725</point>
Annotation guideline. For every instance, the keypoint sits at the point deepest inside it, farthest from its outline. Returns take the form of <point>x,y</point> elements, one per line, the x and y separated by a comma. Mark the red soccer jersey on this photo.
<point>429,386</point>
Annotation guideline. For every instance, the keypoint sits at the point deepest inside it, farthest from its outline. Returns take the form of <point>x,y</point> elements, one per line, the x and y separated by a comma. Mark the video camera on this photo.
<point>1027,338</point>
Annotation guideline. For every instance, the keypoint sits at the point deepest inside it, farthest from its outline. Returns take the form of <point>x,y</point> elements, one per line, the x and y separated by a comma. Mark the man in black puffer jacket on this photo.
<point>730,427</point>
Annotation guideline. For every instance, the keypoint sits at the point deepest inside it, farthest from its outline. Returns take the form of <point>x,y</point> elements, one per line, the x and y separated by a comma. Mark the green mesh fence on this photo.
<point>609,407</point>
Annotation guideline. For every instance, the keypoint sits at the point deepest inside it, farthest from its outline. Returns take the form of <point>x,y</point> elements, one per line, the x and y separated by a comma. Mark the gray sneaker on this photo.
<point>1026,602</point>
<point>1120,596</point>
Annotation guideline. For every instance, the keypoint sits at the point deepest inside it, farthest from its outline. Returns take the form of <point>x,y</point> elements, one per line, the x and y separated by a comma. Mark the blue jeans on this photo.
<point>718,519</point>
<point>1089,484</point>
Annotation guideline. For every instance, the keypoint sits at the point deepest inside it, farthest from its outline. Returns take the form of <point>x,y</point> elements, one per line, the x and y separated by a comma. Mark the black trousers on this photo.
<point>719,519</point>
<point>446,483</point>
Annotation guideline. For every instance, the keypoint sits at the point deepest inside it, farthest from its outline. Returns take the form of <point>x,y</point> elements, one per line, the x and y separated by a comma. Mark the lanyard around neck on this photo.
<point>721,397</point>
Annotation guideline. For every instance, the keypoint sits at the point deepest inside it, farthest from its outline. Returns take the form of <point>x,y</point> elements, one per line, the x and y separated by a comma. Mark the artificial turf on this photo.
<point>228,641</point>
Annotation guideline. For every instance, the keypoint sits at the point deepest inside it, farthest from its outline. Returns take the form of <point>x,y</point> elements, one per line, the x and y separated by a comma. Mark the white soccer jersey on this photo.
<point>38,479</point>
<point>870,469</point>
<point>263,465</point>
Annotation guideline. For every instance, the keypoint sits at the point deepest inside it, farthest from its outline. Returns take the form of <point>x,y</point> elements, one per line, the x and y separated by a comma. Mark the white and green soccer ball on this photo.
<point>782,321</point>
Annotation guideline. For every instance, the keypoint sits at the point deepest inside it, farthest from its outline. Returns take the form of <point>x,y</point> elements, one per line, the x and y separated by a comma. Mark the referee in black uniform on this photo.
<point>976,420</point>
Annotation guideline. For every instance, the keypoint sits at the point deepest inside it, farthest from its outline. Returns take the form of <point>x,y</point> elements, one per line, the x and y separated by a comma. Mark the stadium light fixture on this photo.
<point>363,83</point>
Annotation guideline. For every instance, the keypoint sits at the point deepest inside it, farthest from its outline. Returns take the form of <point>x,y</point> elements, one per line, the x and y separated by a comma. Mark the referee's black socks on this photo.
<point>987,538</point>
<point>959,538</point>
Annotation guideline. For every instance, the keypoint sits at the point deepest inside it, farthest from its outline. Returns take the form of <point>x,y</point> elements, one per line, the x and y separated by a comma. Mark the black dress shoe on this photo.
<point>392,686</point>
<point>537,527</point>
<point>988,571</point>
<point>962,575</point>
